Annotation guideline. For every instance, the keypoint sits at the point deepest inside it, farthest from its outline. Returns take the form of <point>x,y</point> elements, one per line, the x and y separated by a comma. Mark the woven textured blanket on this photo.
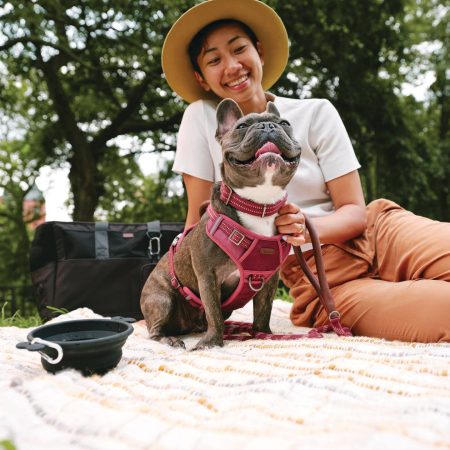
<point>340,393</point>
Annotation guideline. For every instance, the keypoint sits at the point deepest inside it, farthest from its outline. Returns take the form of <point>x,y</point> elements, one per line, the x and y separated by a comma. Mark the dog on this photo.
<point>260,156</point>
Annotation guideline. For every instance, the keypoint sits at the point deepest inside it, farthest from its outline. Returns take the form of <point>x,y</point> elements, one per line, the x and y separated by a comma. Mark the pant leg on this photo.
<point>409,247</point>
<point>341,267</point>
<point>410,310</point>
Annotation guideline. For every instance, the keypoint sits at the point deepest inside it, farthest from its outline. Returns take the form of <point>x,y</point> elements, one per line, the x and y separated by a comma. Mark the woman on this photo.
<point>389,270</point>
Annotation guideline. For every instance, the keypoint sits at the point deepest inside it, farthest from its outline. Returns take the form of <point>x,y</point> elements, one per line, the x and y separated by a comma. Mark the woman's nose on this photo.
<point>232,64</point>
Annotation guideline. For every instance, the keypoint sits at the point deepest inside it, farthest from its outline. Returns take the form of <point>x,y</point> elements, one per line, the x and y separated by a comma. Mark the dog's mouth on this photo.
<point>266,149</point>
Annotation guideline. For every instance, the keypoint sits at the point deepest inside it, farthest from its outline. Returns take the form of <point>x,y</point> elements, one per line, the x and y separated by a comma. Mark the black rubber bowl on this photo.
<point>89,345</point>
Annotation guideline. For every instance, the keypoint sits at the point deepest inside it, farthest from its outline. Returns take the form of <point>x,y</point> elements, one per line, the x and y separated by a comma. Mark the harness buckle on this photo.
<point>238,235</point>
<point>176,239</point>
<point>254,289</point>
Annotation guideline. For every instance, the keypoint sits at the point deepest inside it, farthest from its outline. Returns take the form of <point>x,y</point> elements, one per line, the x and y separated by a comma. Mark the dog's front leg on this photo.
<point>210,295</point>
<point>262,305</point>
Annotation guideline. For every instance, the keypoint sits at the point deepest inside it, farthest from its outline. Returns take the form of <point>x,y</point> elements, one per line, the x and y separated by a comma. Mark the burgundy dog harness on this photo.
<point>256,256</point>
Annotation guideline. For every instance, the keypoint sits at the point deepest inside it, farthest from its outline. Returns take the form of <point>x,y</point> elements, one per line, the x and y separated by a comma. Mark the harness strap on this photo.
<point>188,295</point>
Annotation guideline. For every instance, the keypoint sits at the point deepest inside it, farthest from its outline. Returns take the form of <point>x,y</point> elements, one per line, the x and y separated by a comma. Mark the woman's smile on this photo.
<point>238,83</point>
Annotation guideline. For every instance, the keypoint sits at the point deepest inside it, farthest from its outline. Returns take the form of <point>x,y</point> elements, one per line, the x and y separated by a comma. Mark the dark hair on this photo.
<point>198,41</point>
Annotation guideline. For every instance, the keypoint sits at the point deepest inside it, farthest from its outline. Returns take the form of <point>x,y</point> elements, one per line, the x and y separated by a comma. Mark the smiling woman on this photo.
<point>382,261</point>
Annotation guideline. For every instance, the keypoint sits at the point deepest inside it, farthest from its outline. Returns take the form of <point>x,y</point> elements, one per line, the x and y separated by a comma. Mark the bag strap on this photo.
<point>321,284</point>
<point>101,240</point>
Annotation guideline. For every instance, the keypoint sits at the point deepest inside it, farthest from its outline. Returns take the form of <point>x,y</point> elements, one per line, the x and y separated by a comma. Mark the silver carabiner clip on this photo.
<point>154,245</point>
<point>57,347</point>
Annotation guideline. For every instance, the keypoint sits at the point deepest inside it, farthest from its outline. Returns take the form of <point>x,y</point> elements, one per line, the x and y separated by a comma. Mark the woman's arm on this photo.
<point>347,222</point>
<point>198,191</point>
<point>350,218</point>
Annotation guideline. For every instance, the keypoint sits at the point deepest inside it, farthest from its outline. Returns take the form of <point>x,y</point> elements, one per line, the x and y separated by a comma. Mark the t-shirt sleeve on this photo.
<point>193,155</point>
<point>331,143</point>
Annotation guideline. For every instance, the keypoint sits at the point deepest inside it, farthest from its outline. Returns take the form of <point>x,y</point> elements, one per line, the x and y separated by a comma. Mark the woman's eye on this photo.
<point>285,123</point>
<point>240,49</point>
<point>241,126</point>
<point>213,62</point>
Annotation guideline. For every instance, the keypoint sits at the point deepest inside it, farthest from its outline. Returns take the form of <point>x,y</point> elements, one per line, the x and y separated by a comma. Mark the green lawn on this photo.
<point>17,320</point>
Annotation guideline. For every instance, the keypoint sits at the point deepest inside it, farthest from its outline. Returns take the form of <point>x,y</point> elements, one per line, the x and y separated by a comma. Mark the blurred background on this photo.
<point>88,124</point>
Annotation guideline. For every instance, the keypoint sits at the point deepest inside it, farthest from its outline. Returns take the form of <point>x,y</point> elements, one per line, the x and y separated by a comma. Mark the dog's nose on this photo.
<point>269,126</point>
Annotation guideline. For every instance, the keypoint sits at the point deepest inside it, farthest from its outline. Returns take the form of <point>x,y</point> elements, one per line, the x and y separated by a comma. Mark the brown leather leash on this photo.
<point>242,331</point>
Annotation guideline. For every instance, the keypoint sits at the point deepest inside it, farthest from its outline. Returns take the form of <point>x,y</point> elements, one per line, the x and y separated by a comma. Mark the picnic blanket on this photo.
<point>330,393</point>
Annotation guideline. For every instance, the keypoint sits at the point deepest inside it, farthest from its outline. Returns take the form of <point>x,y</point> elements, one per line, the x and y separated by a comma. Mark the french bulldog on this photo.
<point>260,176</point>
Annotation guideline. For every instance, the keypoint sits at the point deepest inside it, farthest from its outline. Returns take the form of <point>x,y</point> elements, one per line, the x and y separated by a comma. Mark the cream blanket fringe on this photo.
<point>331,393</point>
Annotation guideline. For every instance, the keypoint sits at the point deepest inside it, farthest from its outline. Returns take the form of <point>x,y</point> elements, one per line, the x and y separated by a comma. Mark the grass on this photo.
<point>7,445</point>
<point>17,320</point>
<point>33,320</point>
<point>282,293</point>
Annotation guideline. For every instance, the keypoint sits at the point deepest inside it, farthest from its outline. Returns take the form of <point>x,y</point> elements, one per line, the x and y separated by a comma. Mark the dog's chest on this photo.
<point>260,225</point>
<point>265,193</point>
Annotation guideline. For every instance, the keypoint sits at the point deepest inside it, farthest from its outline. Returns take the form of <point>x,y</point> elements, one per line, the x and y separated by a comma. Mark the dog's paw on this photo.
<point>170,340</point>
<point>208,343</point>
<point>265,329</point>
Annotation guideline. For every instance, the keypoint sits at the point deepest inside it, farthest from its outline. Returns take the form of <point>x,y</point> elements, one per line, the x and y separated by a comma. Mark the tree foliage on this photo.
<point>17,176</point>
<point>89,76</point>
<point>95,75</point>
<point>357,55</point>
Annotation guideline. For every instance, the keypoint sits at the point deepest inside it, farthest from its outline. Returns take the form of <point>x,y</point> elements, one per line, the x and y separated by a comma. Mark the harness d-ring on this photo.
<point>253,288</point>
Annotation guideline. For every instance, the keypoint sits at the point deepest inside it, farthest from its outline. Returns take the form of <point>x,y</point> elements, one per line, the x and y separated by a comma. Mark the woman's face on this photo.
<point>231,66</point>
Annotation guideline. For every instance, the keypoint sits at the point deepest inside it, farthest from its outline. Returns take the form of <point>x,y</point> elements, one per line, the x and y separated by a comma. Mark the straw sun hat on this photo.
<point>263,21</point>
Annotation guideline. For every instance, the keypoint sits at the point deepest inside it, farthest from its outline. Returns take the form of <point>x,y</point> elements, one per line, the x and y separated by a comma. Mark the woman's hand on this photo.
<point>291,224</point>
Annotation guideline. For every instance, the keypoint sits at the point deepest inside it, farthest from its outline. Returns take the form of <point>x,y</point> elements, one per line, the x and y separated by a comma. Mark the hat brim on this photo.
<point>263,21</point>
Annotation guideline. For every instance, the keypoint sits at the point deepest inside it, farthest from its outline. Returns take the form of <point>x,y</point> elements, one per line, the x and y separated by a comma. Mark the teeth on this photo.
<point>238,81</point>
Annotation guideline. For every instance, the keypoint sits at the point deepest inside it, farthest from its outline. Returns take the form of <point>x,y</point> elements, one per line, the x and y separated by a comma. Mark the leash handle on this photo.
<point>321,284</point>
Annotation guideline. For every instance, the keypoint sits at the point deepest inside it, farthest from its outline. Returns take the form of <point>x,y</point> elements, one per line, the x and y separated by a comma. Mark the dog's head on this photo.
<point>256,148</point>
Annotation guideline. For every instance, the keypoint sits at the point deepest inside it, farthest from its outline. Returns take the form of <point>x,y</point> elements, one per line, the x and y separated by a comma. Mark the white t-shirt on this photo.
<point>327,152</point>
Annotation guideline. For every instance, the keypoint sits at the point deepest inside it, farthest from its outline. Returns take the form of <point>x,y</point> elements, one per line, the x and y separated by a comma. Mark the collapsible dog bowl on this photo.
<point>89,345</point>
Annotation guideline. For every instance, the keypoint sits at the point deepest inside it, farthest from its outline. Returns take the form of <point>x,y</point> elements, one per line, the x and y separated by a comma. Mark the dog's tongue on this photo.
<point>268,147</point>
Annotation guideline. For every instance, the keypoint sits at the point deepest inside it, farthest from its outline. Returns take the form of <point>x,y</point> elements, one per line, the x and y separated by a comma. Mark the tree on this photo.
<point>18,171</point>
<point>95,75</point>
<point>20,160</point>
<point>142,199</point>
<point>357,54</point>
<point>429,26</point>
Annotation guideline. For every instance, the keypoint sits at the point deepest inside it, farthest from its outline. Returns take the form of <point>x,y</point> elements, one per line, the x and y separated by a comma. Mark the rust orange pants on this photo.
<point>392,282</point>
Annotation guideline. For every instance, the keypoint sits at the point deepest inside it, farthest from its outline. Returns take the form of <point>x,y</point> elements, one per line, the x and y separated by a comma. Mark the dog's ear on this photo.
<point>227,114</point>
<point>272,109</point>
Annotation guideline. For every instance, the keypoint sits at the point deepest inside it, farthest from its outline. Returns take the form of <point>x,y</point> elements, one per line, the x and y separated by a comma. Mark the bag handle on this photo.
<point>101,240</point>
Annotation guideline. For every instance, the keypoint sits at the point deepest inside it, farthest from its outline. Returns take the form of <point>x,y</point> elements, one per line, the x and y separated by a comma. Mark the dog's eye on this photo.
<point>285,123</point>
<point>241,126</point>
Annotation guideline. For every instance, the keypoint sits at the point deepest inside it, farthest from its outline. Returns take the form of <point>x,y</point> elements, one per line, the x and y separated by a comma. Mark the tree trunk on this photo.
<point>86,183</point>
